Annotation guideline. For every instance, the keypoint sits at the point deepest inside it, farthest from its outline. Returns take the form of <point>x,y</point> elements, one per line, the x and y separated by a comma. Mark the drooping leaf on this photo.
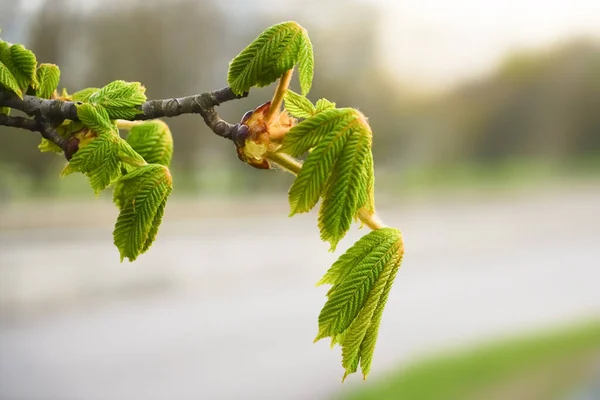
<point>361,280</point>
<point>310,182</point>
<point>298,105</point>
<point>121,99</point>
<point>338,169</point>
<point>347,188</point>
<point>367,346</point>
<point>129,156</point>
<point>99,161</point>
<point>275,51</point>
<point>48,76</point>
<point>142,199</point>
<point>8,81</point>
<point>347,297</point>
<point>95,117</point>
<point>153,141</point>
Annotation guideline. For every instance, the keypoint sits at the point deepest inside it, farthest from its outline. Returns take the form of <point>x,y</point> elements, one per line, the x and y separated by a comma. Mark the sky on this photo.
<point>435,44</point>
<point>438,43</point>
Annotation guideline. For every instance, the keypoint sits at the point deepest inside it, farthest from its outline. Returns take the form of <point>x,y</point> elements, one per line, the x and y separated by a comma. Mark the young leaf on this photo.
<point>309,184</point>
<point>307,134</point>
<point>361,279</point>
<point>121,99</point>
<point>48,76</point>
<point>153,141</point>
<point>84,94</point>
<point>324,104</point>
<point>24,64</point>
<point>99,161</point>
<point>275,51</point>
<point>297,105</point>
<point>306,64</point>
<point>347,188</point>
<point>142,200</point>
<point>347,297</point>
<point>8,81</point>
<point>339,168</point>
<point>95,117</point>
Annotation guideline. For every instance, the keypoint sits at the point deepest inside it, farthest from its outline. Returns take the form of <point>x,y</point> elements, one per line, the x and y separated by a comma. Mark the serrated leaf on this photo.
<point>367,347</point>
<point>297,105</point>
<point>121,99</point>
<point>362,279</point>
<point>153,141</point>
<point>95,117</point>
<point>306,64</point>
<point>129,156</point>
<point>8,81</point>
<point>143,198</point>
<point>347,188</point>
<point>275,51</point>
<point>356,346</point>
<point>84,94</point>
<point>338,169</point>
<point>324,104</point>
<point>23,66</point>
<point>99,161</point>
<point>48,76</point>
<point>310,182</point>
<point>348,296</point>
<point>307,134</point>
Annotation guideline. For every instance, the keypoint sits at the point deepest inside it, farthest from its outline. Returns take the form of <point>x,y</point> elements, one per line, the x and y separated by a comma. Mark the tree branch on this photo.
<point>52,110</point>
<point>35,125</point>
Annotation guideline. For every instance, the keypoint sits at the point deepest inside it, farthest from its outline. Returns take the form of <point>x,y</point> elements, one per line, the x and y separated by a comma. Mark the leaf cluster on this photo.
<point>361,280</point>
<point>338,169</point>
<point>275,51</point>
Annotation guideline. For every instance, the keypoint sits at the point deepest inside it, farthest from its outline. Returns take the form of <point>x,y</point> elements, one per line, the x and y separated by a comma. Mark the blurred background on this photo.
<point>486,121</point>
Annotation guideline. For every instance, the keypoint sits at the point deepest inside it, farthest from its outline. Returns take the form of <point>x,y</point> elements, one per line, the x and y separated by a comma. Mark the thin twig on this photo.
<point>204,104</point>
<point>35,125</point>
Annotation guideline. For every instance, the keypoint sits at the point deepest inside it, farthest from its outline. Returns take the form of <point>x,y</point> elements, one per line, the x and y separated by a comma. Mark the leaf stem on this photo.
<point>127,125</point>
<point>282,86</point>
<point>293,166</point>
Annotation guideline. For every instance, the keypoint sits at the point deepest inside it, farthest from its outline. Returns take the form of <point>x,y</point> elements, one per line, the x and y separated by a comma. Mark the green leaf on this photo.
<point>121,99</point>
<point>297,105</point>
<point>22,63</point>
<point>348,296</point>
<point>347,188</point>
<point>367,346</point>
<point>310,182</point>
<point>48,76</point>
<point>99,161</point>
<point>308,133</point>
<point>84,94</point>
<point>339,168</point>
<point>275,51</point>
<point>153,141</point>
<point>306,64</point>
<point>8,81</point>
<point>142,200</point>
<point>361,279</point>
<point>47,146</point>
<point>129,156</point>
<point>95,117</point>
<point>324,104</point>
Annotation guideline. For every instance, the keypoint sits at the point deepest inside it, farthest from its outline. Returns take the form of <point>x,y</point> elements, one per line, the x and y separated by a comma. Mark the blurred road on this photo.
<point>227,308</point>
